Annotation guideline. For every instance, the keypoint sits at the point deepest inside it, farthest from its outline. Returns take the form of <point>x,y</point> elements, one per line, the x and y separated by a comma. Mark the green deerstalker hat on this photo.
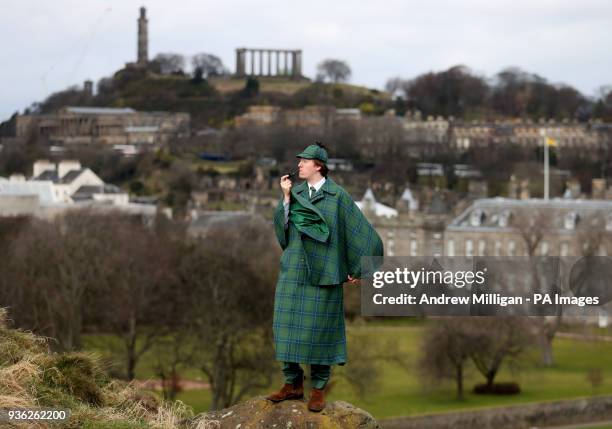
<point>313,152</point>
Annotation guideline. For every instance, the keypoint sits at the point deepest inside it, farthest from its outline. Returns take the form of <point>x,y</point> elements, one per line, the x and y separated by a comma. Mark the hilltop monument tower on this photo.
<point>143,38</point>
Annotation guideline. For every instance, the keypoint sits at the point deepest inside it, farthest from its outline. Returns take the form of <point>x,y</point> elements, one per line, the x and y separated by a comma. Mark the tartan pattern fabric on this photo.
<point>351,236</point>
<point>308,323</point>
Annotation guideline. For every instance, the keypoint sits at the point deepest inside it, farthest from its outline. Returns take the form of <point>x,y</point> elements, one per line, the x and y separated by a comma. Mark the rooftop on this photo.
<point>100,110</point>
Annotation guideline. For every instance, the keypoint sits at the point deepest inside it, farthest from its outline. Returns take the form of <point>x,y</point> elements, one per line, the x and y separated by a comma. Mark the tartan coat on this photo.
<point>308,323</point>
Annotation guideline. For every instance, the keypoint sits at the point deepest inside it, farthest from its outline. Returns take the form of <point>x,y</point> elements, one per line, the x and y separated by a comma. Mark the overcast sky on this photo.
<point>49,45</point>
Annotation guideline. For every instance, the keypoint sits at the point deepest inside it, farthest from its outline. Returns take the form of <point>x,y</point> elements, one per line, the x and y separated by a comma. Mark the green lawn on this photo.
<point>401,393</point>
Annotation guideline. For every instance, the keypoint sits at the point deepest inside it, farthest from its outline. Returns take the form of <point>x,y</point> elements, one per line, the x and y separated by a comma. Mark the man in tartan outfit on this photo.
<point>323,235</point>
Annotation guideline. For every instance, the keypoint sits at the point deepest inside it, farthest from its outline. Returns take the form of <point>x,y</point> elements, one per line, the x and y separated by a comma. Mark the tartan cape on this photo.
<point>308,323</point>
<point>351,236</point>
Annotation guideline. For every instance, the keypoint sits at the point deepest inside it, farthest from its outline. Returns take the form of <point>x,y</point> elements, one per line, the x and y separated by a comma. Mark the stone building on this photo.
<point>56,188</point>
<point>406,230</point>
<point>320,118</point>
<point>105,125</point>
<point>532,227</point>
<point>463,135</point>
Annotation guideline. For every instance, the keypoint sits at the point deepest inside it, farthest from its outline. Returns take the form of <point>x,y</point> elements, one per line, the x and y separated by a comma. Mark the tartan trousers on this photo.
<point>319,374</point>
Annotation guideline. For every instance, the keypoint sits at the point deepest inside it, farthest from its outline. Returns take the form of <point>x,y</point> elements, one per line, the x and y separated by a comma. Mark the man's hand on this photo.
<point>286,184</point>
<point>353,280</point>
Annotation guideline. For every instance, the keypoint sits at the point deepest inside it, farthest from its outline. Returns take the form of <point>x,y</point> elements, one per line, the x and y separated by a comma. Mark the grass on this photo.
<point>31,375</point>
<point>401,393</point>
<point>286,86</point>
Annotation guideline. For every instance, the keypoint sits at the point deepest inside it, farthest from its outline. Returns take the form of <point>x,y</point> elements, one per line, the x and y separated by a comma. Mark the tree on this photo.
<point>251,87</point>
<point>446,349</point>
<point>168,63</point>
<point>55,264</point>
<point>130,296</point>
<point>209,64</point>
<point>498,340</point>
<point>531,226</point>
<point>334,70</point>
<point>394,85</point>
<point>453,92</point>
<point>197,76</point>
<point>230,288</point>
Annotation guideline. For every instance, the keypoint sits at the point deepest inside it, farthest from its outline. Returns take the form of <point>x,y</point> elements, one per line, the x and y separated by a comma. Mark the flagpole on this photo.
<point>546,170</point>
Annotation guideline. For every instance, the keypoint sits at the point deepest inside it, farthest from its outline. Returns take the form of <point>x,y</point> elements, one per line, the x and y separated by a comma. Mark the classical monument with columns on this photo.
<point>281,63</point>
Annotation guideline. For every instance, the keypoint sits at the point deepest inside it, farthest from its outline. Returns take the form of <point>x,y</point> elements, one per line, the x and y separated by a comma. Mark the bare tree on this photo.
<point>333,70</point>
<point>229,277</point>
<point>447,346</point>
<point>167,63</point>
<point>592,237</point>
<point>499,340</point>
<point>130,288</point>
<point>209,64</point>
<point>531,225</point>
<point>395,85</point>
<point>55,263</point>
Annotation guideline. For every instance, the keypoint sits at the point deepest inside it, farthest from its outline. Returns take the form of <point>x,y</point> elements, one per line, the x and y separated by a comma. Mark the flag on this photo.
<point>551,142</point>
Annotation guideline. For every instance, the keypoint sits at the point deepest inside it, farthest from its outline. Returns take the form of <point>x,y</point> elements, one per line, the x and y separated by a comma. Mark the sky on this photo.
<point>48,46</point>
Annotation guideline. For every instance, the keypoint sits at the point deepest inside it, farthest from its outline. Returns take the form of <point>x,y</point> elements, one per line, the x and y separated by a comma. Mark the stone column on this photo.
<point>269,52</point>
<point>260,62</point>
<point>277,53</point>
<point>298,63</point>
<point>240,61</point>
<point>286,63</point>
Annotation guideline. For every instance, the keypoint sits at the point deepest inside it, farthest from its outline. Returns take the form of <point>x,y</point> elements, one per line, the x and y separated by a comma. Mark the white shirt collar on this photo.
<point>317,185</point>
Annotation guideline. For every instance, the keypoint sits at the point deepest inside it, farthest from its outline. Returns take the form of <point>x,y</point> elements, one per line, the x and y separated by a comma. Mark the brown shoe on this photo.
<point>317,400</point>
<point>288,391</point>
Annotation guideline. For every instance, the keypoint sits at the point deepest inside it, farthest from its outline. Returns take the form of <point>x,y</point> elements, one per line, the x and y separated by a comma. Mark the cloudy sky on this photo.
<point>50,45</point>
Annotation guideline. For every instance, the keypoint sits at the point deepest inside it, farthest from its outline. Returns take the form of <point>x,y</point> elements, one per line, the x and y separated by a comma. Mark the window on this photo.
<point>476,217</point>
<point>390,247</point>
<point>413,247</point>
<point>481,247</point>
<point>564,249</point>
<point>569,221</point>
<point>511,248</point>
<point>544,248</point>
<point>450,248</point>
<point>503,218</point>
<point>498,246</point>
<point>469,248</point>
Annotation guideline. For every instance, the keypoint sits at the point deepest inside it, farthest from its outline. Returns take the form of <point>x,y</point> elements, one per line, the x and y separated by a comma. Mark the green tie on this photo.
<point>313,190</point>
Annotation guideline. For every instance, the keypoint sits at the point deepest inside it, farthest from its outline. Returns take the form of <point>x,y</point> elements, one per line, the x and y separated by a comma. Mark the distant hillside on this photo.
<point>213,102</point>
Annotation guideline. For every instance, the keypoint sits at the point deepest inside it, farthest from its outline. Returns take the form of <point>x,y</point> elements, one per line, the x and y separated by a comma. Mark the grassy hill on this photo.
<point>215,101</point>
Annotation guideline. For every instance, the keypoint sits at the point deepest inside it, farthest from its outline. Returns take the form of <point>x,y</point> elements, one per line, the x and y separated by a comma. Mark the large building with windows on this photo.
<point>104,125</point>
<point>532,227</point>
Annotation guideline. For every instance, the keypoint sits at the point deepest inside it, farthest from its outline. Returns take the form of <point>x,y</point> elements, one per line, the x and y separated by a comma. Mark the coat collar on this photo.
<point>329,186</point>
<point>301,190</point>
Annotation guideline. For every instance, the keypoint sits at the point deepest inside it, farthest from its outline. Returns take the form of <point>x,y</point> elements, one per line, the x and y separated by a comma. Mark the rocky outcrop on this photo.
<point>258,413</point>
